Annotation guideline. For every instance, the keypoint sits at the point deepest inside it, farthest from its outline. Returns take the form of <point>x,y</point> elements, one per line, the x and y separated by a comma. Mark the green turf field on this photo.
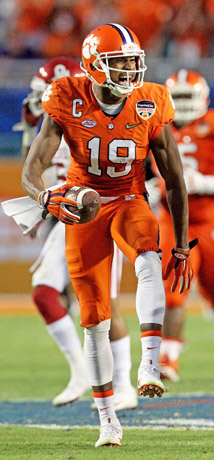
<point>22,443</point>
<point>32,367</point>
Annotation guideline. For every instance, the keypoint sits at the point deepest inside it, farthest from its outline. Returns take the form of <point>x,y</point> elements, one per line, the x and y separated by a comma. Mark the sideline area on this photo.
<point>22,304</point>
<point>192,411</point>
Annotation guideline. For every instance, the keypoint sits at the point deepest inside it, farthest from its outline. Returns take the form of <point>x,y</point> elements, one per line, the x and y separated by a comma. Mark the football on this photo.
<point>88,203</point>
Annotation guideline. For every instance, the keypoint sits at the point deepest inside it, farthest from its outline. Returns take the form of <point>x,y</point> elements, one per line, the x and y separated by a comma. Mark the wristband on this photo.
<point>41,201</point>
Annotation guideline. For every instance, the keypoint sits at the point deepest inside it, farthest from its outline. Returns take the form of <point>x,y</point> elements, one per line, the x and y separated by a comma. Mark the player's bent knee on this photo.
<point>47,301</point>
<point>104,326</point>
<point>148,264</point>
<point>150,299</point>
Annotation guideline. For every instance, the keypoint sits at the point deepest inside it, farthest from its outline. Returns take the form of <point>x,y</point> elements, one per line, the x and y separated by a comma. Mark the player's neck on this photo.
<point>105,96</point>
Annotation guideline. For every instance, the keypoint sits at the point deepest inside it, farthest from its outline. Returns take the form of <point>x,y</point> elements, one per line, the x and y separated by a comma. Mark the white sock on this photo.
<point>122,363</point>
<point>65,335</point>
<point>105,406</point>
<point>150,349</point>
<point>172,348</point>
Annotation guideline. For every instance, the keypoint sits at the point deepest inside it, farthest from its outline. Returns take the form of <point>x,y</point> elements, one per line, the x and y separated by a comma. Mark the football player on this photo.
<point>50,286</point>
<point>110,120</point>
<point>193,130</point>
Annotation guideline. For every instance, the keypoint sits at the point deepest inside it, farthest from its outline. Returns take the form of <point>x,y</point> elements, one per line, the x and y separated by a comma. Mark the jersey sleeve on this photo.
<point>50,101</point>
<point>165,112</point>
<point>169,108</point>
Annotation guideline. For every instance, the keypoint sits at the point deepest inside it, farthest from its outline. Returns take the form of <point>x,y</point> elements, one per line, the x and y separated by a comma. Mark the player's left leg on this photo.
<point>135,230</point>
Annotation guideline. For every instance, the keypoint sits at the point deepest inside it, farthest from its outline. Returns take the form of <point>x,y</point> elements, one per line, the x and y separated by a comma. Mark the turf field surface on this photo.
<point>22,443</point>
<point>33,371</point>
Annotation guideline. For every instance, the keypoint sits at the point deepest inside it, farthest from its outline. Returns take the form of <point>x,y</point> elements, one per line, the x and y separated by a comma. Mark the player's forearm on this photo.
<point>178,205</point>
<point>31,178</point>
<point>39,157</point>
<point>29,134</point>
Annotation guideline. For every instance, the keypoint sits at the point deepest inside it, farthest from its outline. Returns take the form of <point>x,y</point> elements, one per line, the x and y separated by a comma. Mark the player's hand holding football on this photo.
<point>181,264</point>
<point>70,204</point>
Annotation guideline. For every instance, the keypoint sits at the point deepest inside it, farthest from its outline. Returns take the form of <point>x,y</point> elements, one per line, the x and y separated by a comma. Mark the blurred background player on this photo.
<point>50,294</point>
<point>193,129</point>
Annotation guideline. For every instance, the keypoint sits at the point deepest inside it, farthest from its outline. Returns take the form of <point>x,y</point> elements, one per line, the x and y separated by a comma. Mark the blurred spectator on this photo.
<point>47,28</point>
<point>8,9</point>
<point>62,36</point>
<point>92,13</point>
<point>25,31</point>
<point>148,19</point>
<point>188,34</point>
<point>209,9</point>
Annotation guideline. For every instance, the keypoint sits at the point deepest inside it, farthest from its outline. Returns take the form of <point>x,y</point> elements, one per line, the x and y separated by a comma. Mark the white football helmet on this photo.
<point>106,42</point>
<point>190,94</point>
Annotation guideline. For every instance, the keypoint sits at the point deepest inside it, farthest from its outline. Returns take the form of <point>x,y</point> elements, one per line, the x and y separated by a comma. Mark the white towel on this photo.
<point>24,211</point>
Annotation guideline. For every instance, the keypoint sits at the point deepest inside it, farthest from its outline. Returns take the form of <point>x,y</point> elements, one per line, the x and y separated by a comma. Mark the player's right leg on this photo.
<point>100,361</point>
<point>49,281</point>
<point>89,252</point>
<point>125,396</point>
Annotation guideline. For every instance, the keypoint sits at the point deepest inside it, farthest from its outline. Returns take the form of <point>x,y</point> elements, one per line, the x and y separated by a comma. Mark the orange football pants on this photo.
<point>89,251</point>
<point>202,257</point>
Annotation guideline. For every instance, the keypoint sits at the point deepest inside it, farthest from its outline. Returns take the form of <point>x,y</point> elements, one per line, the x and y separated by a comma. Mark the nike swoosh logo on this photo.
<point>104,408</point>
<point>128,126</point>
<point>151,348</point>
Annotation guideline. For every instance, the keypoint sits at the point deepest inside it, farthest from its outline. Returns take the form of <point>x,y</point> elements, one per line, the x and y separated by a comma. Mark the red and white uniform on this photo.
<point>108,155</point>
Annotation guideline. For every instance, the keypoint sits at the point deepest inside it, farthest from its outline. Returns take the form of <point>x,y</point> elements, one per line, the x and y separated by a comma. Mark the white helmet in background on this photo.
<point>190,94</point>
<point>51,70</point>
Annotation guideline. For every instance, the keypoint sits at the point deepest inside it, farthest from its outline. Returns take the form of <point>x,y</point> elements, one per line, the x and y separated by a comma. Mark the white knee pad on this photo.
<point>98,353</point>
<point>150,298</point>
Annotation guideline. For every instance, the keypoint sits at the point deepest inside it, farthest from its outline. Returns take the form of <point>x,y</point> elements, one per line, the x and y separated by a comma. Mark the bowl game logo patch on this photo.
<point>145,109</point>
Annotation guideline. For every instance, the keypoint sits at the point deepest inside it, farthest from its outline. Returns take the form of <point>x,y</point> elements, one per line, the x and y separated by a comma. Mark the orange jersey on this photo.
<point>196,146</point>
<point>195,143</point>
<point>107,153</point>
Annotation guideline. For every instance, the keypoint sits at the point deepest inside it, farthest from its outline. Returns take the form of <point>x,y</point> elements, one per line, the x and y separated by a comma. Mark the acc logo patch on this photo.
<point>89,123</point>
<point>202,129</point>
<point>145,109</point>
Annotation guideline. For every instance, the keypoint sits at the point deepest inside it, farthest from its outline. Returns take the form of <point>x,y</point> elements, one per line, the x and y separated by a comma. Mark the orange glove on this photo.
<point>180,262</point>
<point>56,203</point>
